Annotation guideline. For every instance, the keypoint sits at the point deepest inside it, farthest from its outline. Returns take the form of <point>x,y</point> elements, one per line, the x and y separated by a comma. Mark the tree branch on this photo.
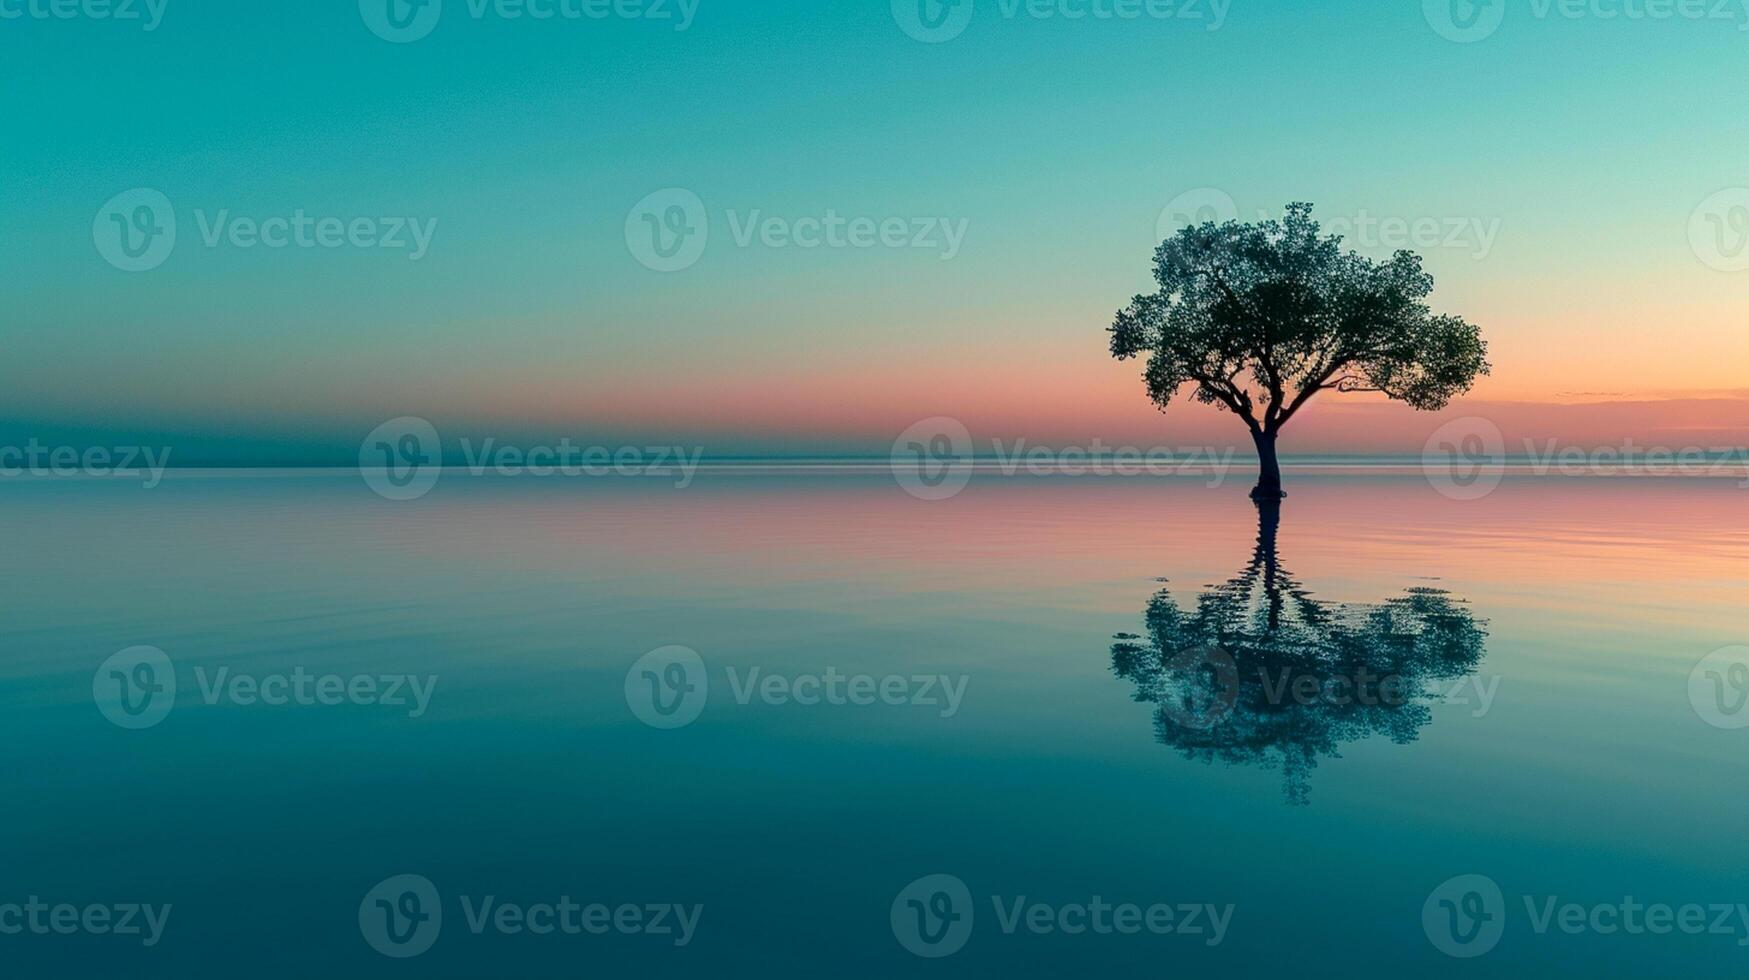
<point>1312,388</point>
<point>1235,399</point>
<point>1271,371</point>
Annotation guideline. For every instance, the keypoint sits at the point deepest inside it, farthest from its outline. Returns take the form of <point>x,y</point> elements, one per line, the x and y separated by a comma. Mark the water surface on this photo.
<point>1586,774</point>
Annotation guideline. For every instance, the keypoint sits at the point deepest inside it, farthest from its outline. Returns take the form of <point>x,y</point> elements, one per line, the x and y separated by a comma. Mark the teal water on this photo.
<point>794,830</point>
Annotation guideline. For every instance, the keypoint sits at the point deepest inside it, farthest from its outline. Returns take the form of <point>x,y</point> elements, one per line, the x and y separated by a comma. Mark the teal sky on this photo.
<point>1058,142</point>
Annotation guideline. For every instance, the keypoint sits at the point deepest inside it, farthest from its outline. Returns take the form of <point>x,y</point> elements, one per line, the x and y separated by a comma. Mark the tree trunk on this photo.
<point>1268,468</point>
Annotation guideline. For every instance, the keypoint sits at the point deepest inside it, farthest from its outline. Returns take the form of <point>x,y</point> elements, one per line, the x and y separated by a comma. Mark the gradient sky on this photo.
<point>1586,143</point>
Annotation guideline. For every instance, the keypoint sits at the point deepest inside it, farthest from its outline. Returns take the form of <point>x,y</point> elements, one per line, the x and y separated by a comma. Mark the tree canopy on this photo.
<point>1260,317</point>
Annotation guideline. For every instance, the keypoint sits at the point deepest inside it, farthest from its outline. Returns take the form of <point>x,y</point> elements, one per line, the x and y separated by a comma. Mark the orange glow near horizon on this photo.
<point>1052,403</point>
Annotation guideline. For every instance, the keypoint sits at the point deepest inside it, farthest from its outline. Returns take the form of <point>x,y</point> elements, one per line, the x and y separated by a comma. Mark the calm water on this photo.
<point>1551,743</point>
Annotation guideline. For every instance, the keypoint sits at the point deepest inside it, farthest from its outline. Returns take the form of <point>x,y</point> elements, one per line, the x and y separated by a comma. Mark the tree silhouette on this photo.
<point>1261,673</point>
<point>1261,317</point>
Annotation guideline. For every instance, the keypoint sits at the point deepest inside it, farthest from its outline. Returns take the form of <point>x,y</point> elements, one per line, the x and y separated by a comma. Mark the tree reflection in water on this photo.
<point>1261,673</point>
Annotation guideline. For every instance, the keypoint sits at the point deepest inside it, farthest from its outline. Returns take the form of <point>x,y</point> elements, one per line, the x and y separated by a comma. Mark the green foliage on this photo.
<point>1261,317</point>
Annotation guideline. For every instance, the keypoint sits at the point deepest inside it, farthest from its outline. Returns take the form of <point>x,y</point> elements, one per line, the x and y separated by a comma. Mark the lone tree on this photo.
<point>1261,317</point>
